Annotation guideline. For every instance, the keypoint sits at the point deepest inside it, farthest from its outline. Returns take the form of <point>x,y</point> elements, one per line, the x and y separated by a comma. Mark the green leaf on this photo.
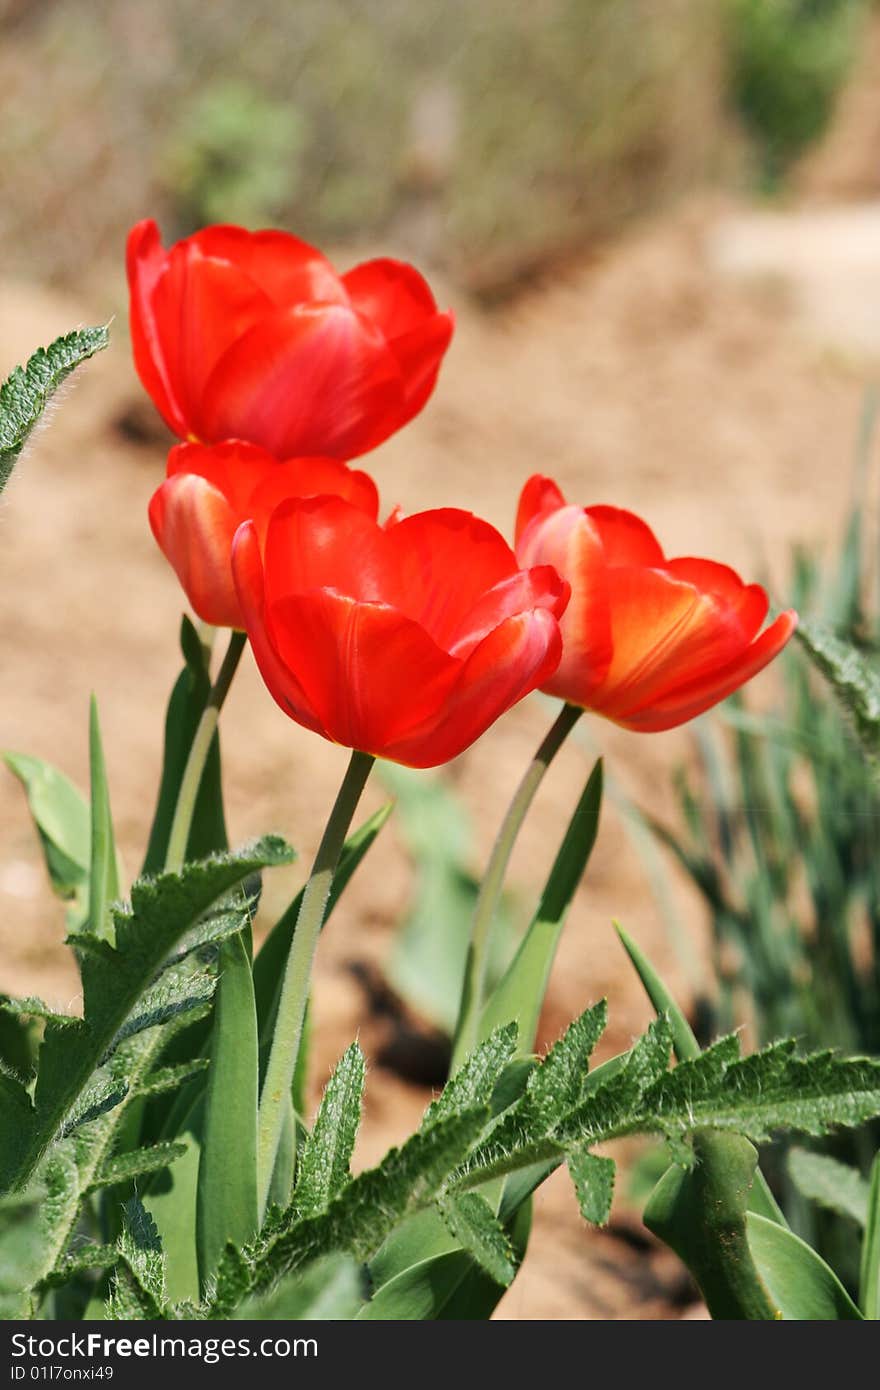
<point>869,1275</point>
<point>26,391</point>
<point>227,1201</point>
<point>61,817</point>
<point>519,995</point>
<point>854,676</point>
<point>103,873</point>
<point>162,911</point>
<point>834,1185</point>
<point>139,1283</point>
<point>801,1285</point>
<point>125,1166</point>
<point>185,707</point>
<point>593,1179</point>
<point>272,956</point>
<point>332,1288</point>
<point>178,992</point>
<point>474,1225</point>
<point>324,1166</point>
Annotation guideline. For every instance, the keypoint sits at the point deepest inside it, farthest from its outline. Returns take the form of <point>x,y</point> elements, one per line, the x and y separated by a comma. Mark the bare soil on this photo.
<point>652,377</point>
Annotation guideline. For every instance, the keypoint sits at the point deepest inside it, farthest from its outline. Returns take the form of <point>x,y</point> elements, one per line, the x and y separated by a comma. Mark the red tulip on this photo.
<point>647,642</point>
<point>405,640</point>
<point>210,491</point>
<point>253,335</point>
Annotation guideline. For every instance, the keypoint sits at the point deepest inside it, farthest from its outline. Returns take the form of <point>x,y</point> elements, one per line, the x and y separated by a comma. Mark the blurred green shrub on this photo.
<point>787,61</point>
<point>234,156</point>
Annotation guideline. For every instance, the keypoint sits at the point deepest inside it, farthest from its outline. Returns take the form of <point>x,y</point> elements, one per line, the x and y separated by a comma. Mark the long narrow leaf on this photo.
<point>519,995</point>
<point>228,1207</point>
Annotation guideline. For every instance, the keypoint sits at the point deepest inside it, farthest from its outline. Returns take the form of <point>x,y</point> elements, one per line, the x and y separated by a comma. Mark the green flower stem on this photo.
<point>467,1028</point>
<point>198,753</point>
<point>297,974</point>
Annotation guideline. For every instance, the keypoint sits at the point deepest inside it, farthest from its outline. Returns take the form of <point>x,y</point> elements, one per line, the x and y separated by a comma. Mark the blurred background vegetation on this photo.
<point>486,137</point>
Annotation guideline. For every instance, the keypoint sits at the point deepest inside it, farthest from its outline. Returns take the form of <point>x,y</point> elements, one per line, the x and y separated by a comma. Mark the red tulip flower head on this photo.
<point>253,335</point>
<point>405,640</point>
<point>647,642</point>
<point>209,492</point>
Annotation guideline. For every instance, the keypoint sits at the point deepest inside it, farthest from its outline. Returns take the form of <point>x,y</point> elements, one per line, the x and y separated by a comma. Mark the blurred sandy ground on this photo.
<point>655,376</point>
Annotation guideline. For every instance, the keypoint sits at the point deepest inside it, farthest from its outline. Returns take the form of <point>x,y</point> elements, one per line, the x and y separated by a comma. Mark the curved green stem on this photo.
<point>297,974</point>
<point>467,1028</point>
<point>198,754</point>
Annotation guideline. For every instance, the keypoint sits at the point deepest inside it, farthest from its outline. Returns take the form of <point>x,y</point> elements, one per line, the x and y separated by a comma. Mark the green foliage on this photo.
<point>162,911</point>
<point>869,1271</point>
<point>26,392</point>
<point>61,817</point>
<point>788,60</point>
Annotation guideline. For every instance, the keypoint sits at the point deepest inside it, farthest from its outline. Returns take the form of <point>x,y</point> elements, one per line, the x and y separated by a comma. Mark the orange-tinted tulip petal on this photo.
<point>647,642</point>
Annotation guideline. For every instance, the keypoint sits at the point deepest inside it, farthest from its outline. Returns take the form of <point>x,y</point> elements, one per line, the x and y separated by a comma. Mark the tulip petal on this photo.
<point>282,684</point>
<point>568,539</point>
<point>287,270</point>
<point>194,525</point>
<point>201,307</point>
<point>145,260</point>
<point>626,539</point>
<point>326,543</point>
<point>749,601</point>
<point>539,496</point>
<point>691,699</point>
<point>513,660</point>
<point>234,467</point>
<point>392,294</point>
<point>419,355</point>
<point>445,561</point>
<point>539,587</point>
<point>370,673</point>
<point>316,379</point>
<point>313,477</point>
<point>665,631</point>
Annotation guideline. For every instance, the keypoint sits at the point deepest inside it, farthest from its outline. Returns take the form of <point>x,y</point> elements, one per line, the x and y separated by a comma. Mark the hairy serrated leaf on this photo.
<point>854,676</point>
<point>132,1165</point>
<point>476,1228</point>
<point>324,1167</point>
<point>162,911</point>
<point>169,1078</point>
<point>475,1081</point>
<point>593,1178</point>
<point>176,993</point>
<point>139,1287</point>
<point>26,391</point>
